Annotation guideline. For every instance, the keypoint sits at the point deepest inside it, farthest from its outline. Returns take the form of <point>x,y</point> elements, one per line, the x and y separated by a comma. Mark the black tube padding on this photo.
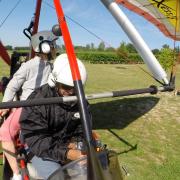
<point>155,89</point>
<point>28,103</point>
<point>132,92</point>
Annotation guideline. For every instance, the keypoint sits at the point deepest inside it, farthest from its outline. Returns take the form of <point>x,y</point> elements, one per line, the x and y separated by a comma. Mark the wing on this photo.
<point>165,14</point>
<point>3,53</point>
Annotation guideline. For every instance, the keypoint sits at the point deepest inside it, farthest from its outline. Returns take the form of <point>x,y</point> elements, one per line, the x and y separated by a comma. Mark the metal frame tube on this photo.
<point>55,100</point>
<point>94,168</point>
<point>4,54</point>
<point>137,40</point>
<point>36,22</point>
<point>74,68</point>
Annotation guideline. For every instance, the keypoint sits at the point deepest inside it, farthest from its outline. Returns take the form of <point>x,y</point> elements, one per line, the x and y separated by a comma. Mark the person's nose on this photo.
<point>68,92</point>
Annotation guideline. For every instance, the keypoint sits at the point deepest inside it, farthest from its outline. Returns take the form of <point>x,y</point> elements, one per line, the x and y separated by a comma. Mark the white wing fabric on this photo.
<point>165,14</point>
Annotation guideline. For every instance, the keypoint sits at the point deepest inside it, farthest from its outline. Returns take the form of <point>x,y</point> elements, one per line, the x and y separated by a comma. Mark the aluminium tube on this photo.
<point>36,22</point>
<point>55,100</point>
<point>140,45</point>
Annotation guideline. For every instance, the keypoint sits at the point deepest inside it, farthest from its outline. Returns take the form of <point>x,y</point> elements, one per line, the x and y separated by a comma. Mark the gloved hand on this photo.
<point>74,154</point>
<point>72,145</point>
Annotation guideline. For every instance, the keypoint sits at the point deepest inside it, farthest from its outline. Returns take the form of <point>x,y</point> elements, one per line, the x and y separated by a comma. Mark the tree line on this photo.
<point>123,47</point>
<point>125,53</point>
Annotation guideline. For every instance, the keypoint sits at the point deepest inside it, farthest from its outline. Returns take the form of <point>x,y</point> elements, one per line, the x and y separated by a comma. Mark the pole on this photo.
<point>4,54</point>
<point>55,100</point>
<point>137,40</point>
<point>94,167</point>
<point>36,22</point>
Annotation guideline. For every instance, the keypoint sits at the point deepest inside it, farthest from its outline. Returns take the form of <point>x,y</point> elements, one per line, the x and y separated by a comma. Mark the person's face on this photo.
<point>53,53</point>
<point>53,49</point>
<point>64,90</point>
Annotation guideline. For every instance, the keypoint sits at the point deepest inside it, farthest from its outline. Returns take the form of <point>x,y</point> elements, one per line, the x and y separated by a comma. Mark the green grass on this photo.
<point>142,129</point>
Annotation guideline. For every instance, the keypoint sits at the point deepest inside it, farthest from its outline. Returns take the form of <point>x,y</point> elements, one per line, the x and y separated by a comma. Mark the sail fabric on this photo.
<point>165,14</point>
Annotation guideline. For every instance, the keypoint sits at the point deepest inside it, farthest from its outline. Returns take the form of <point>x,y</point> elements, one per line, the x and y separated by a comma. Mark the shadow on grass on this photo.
<point>118,114</point>
<point>119,67</point>
<point>130,146</point>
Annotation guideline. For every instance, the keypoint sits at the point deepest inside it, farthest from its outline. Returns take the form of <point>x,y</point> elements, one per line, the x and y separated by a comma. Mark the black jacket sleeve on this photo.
<point>39,137</point>
<point>41,134</point>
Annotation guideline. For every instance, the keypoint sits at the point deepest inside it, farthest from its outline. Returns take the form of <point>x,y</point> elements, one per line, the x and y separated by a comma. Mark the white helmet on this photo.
<point>42,40</point>
<point>62,73</point>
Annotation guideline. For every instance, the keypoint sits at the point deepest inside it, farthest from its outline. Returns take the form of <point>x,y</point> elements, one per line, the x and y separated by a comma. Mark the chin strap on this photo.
<point>50,57</point>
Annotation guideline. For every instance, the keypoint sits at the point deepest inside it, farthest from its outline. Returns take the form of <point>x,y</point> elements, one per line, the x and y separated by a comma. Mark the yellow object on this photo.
<point>164,14</point>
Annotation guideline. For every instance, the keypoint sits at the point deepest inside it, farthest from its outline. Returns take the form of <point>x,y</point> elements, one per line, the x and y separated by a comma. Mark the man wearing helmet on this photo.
<point>29,76</point>
<point>51,130</point>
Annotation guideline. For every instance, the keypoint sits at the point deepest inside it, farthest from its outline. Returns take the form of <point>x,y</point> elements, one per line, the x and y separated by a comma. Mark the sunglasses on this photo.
<point>64,86</point>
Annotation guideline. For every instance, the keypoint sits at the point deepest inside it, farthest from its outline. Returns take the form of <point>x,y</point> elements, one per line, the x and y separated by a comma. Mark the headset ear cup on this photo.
<point>45,47</point>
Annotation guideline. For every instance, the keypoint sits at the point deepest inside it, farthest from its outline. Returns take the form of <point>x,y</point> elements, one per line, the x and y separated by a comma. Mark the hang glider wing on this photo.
<point>3,53</point>
<point>165,14</point>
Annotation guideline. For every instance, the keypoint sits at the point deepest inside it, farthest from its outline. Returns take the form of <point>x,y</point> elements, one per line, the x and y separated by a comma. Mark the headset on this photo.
<point>45,46</point>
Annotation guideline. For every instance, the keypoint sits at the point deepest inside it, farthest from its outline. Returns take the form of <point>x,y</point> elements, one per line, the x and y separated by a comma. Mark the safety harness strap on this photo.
<point>11,153</point>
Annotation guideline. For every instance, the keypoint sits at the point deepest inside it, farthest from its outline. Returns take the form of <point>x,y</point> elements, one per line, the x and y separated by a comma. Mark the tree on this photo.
<point>131,48</point>
<point>122,51</point>
<point>110,49</point>
<point>63,47</point>
<point>87,47</point>
<point>8,47</point>
<point>177,49</point>
<point>22,48</point>
<point>101,46</point>
<point>155,51</point>
<point>166,58</point>
<point>92,46</point>
<point>165,46</point>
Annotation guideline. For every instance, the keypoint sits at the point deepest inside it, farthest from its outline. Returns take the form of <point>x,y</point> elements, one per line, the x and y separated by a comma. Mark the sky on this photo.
<point>90,14</point>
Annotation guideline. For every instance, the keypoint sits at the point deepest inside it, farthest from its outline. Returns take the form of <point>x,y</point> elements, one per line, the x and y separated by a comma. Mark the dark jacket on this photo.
<point>47,129</point>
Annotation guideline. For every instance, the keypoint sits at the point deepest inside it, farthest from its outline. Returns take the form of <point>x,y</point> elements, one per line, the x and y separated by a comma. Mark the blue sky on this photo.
<point>89,13</point>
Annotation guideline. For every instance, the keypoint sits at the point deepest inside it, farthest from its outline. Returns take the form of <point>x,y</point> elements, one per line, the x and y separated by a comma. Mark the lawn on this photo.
<point>142,129</point>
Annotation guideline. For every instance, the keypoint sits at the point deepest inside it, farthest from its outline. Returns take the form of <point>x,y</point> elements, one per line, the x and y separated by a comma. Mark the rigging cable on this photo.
<point>150,75</point>
<point>80,25</point>
<point>96,37</point>
<point>68,18</point>
<point>142,128</point>
<point>92,33</point>
<point>10,13</point>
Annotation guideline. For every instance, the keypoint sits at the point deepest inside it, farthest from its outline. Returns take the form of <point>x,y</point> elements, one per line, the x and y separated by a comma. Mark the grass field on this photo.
<point>142,129</point>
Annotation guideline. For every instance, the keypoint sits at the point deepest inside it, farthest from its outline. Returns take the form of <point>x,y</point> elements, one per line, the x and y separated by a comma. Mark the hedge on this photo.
<point>109,58</point>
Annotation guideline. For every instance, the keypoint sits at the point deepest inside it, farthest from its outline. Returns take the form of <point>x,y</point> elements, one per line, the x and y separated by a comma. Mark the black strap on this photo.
<point>28,156</point>
<point>11,153</point>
